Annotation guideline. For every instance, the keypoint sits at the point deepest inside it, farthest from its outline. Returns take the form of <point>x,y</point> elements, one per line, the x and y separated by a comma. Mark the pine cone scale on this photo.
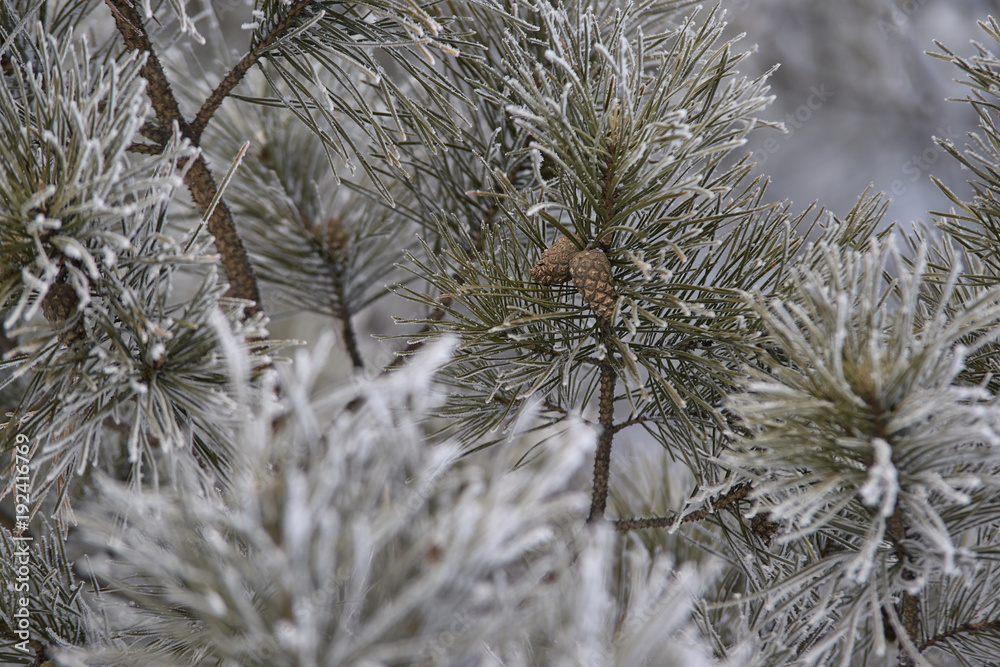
<point>552,267</point>
<point>591,273</point>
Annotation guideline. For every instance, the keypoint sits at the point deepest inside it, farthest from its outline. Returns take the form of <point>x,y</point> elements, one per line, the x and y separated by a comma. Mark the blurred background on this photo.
<point>860,98</point>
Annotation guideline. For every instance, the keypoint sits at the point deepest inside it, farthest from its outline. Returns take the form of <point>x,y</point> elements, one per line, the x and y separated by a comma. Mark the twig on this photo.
<point>240,69</point>
<point>602,460</point>
<point>911,621</point>
<point>145,149</point>
<point>549,405</point>
<point>630,422</point>
<point>201,184</point>
<point>965,628</point>
<point>737,493</point>
<point>344,315</point>
<point>436,315</point>
<point>910,604</point>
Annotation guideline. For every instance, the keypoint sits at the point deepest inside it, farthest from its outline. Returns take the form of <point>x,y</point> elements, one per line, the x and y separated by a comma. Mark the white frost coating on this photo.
<point>949,489</point>
<point>563,64</point>
<point>35,201</point>
<point>296,524</point>
<point>840,333</point>
<point>216,605</point>
<point>603,52</point>
<point>234,352</point>
<point>541,206</point>
<point>525,419</point>
<point>630,323</point>
<point>71,250</point>
<point>639,260</point>
<point>158,352</point>
<point>523,114</point>
<point>882,485</point>
<point>772,389</point>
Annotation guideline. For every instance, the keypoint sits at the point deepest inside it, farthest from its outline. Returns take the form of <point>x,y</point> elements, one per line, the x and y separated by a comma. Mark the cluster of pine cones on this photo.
<point>590,271</point>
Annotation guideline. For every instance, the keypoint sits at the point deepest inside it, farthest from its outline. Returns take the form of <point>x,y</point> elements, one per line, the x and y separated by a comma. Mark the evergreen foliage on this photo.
<point>555,202</point>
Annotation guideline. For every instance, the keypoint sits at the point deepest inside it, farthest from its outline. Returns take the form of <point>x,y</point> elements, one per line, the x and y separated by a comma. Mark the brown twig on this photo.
<point>910,604</point>
<point>344,315</point>
<point>145,149</point>
<point>602,460</point>
<point>240,69</point>
<point>201,184</point>
<point>965,628</point>
<point>549,405</point>
<point>737,493</point>
<point>630,422</point>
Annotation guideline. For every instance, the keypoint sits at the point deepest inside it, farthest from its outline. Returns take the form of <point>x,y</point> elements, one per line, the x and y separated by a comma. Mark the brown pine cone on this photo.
<point>553,266</point>
<point>60,309</point>
<point>591,273</point>
<point>60,303</point>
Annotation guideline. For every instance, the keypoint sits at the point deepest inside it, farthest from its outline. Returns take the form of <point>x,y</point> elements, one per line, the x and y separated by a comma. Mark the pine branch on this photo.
<point>41,654</point>
<point>438,314</point>
<point>411,348</point>
<point>965,628</point>
<point>198,178</point>
<point>145,149</point>
<point>239,70</point>
<point>737,493</point>
<point>631,422</point>
<point>344,315</point>
<point>910,604</point>
<point>602,461</point>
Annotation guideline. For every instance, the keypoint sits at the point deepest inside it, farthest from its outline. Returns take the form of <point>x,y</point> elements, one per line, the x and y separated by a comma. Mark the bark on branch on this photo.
<point>602,461</point>
<point>240,69</point>
<point>199,180</point>
<point>737,493</point>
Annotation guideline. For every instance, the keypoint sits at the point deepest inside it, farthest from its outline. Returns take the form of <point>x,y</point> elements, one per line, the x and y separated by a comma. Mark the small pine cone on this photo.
<point>591,272</point>
<point>553,266</point>
<point>60,303</point>
<point>59,308</point>
<point>336,237</point>
<point>764,529</point>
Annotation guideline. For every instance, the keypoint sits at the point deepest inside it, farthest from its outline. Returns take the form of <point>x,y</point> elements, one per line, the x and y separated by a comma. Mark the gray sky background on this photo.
<point>860,98</point>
